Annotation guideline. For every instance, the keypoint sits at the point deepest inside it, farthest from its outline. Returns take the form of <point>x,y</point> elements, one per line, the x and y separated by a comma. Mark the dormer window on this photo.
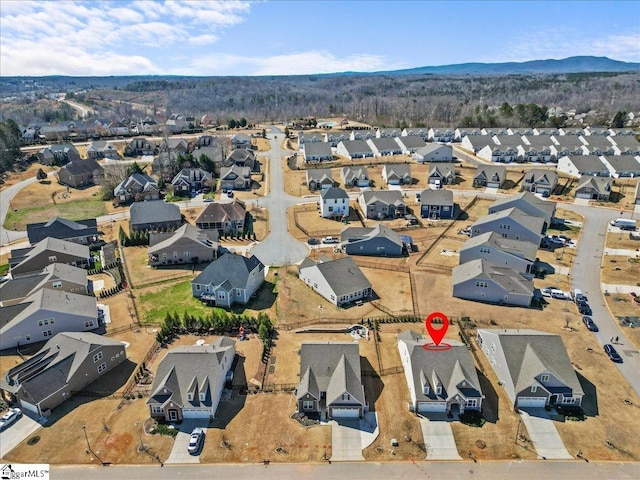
<point>202,396</point>
<point>190,396</point>
<point>345,396</point>
<point>425,389</point>
<point>439,390</point>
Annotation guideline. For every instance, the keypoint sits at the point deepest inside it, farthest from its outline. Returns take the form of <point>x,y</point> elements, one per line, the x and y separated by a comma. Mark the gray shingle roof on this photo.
<point>547,207</point>
<point>208,238</point>
<point>154,211</point>
<point>534,224</point>
<point>231,268</point>
<point>357,146</point>
<point>490,171</point>
<point>379,230</point>
<point>436,197</point>
<point>313,149</point>
<point>61,228</point>
<point>413,141</point>
<point>222,212</point>
<point>507,278</point>
<point>333,192</point>
<point>588,163</point>
<point>319,174</point>
<point>527,249</point>
<point>343,275</point>
<point>602,185</point>
<point>389,197</point>
<point>80,167</point>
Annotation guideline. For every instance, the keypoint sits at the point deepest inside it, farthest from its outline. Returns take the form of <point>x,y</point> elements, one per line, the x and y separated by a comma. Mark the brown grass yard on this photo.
<point>622,240</point>
<point>620,270</point>
<point>11,178</point>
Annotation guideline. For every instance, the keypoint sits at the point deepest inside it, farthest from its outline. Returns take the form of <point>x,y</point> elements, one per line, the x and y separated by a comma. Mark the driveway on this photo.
<point>438,438</point>
<point>24,427</point>
<point>543,434</point>
<point>179,453</point>
<point>350,436</point>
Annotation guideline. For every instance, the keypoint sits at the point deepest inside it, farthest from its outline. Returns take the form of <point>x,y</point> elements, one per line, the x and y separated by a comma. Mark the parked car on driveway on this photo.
<point>591,325</point>
<point>328,240</point>
<point>613,354</point>
<point>584,309</point>
<point>9,418</point>
<point>313,241</point>
<point>195,442</point>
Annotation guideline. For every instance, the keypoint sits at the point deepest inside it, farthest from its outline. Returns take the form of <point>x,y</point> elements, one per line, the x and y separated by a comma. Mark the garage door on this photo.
<point>531,402</point>
<point>345,412</point>
<point>425,407</point>
<point>583,195</point>
<point>29,407</point>
<point>195,413</point>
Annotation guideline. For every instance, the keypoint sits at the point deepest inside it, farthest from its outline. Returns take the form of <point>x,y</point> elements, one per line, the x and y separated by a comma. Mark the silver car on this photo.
<point>195,442</point>
<point>10,417</point>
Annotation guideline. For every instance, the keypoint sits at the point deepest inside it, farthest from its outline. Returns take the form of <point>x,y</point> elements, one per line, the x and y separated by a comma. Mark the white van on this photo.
<point>624,223</point>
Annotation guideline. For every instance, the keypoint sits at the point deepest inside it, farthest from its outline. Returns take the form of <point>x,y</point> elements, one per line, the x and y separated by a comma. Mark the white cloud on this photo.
<point>204,39</point>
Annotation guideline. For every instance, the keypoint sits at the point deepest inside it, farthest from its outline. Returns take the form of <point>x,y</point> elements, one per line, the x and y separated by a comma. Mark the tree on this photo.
<point>506,110</point>
<point>286,132</point>
<point>133,168</point>
<point>618,119</point>
<point>41,175</point>
<point>232,124</point>
<point>243,122</point>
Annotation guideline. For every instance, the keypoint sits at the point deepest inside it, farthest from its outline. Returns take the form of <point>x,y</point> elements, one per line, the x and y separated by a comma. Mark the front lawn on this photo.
<point>18,219</point>
<point>159,300</point>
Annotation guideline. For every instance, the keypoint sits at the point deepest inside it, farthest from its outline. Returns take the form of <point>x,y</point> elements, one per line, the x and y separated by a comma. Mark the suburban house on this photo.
<point>81,231</point>
<point>243,157</point>
<point>241,140</point>
<point>512,223</point>
<point>529,204</point>
<point>597,145</point>
<point>441,135</point>
<point>189,381</point>
<point>566,146</point>
<point>535,149</point>
<point>136,188</point>
<point>139,147</point>
<point>188,244</point>
<point>502,252</point>
<point>314,152</point>
<point>476,143</point>
<point>625,145</point>
<point>578,165</point>
<point>498,152</point>
<point>388,133</point>
<point>381,204</point>
<point>436,204</point>
<point>362,134</point>
<point>23,261</point>
<point>102,149</point>
<point>44,314</point>
<point>340,281</point>
<point>310,137</point>
<point>57,276</point>
<point>490,176</point>
<point>68,363</point>
<point>410,144</point>
<point>58,154</point>
<point>397,174</point>
<point>481,281</point>
<point>433,152</point>
<point>191,179</point>
<point>330,381</point>
<point>354,149</point>
<point>533,367</point>
<point>439,381</point>
<point>80,173</point>
<point>420,132</point>
<point>442,174</point>
<point>235,178</point>
<point>210,147</point>
<point>176,145</point>
<point>594,188</point>
<point>540,181</point>
<point>384,146</point>
<point>226,218</point>
<point>154,215</point>
<point>622,165</point>
<point>230,279</point>
<point>334,203</point>
<point>319,179</point>
<point>377,241</point>
<point>334,138</point>
<point>355,176</point>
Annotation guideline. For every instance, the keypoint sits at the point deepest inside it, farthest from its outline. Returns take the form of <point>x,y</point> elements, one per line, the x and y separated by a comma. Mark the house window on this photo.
<point>52,258</point>
<point>88,324</point>
<point>544,378</point>
<point>476,231</point>
<point>439,390</point>
<point>472,402</point>
<point>102,367</point>
<point>47,333</point>
<point>57,284</point>
<point>346,396</point>
<point>27,337</point>
<point>97,357</point>
<point>197,287</point>
<point>175,254</point>
<point>425,389</point>
<point>202,396</point>
<point>307,404</point>
<point>190,396</point>
<point>485,250</point>
<point>534,388</point>
<point>164,256</point>
<point>493,347</point>
<point>155,409</point>
<point>481,284</point>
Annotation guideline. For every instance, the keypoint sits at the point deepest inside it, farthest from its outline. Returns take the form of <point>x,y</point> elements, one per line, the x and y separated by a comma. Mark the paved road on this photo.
<point>6,196</point>
<point>585,275</point>
<point>522,470</point>
<point>279,248</point>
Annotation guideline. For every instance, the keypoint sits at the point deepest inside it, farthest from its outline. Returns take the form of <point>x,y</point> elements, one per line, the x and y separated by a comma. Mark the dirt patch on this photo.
<point>619,270</point>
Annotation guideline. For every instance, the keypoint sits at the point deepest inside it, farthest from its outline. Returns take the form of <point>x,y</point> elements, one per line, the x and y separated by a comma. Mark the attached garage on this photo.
<point>29,407</point>
<point>432,407</point>
<point>353,412</point>
<point>584,194</point>
<point>535,402</point>
<point>195,413</point>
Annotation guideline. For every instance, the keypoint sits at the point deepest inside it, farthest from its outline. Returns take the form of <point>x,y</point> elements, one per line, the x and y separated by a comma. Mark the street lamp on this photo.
<point>89,449</point>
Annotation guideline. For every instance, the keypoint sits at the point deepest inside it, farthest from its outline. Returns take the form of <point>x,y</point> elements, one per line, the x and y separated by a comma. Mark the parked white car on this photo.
<point>197,437</point>
<point>10,417</point>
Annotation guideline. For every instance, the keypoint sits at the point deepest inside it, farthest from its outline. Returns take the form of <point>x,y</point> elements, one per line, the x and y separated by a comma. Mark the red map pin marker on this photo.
<point>437,334</point>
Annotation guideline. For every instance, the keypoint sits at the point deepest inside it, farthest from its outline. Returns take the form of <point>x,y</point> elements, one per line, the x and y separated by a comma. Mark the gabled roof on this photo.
<point>356,146</point>
<point>53,366</point>
<point>154,211</point>
<point>414,141</point>
<point>333,193</point>
<point>351,234</point>
<point>314,149</point>
<point>142,179</point>
<point>453,368</point>
<point>541,175</point>
<point>507,278</point>
<point>436,197</point>
<point>222,212</point>
<point>385,143</point>
<point>532,223</point>
<point>350,173</point>
<point>602,185</point>
<point>50,245</point>
<point>61,228</point>
<point>429,147</point>
<point>81,167</point>
<point>400,170</point>
<point>587,163</point>
<point>331,367</point>
<point>623,163</point>
<point>231,268</point>
<point>490,172</point>
<point>387,197</point>
<point>22,287</point>
<point>189,369</point>
<point>529,353</point>
<point>241,155</point>
<point>162,241</point>
<point>537,204</point>
<point>319,175</point>
<point>442,169</point>
<point>342,275</point>
<point>241,172</point>
<point>520,248</point>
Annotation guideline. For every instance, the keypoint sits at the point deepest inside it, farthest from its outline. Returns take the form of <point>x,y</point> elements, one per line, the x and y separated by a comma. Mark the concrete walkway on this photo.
<point>438,439</point>
<point>613,288</point>
<point>582,202</point>
<point>346,442</point>
<point>543,434</point>
<point>621,252</point>
<point>179,453</point>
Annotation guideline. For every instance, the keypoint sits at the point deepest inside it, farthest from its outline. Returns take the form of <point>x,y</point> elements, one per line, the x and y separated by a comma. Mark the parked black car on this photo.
<point>613,354</point>
<point>585,309</point>
<point>588,321</point>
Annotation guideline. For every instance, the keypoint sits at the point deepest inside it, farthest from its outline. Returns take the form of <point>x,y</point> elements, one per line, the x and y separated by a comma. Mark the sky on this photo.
<point>288,37</point>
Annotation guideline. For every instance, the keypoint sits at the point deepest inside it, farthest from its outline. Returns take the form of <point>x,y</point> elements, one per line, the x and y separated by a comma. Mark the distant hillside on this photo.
<point>566,65</point>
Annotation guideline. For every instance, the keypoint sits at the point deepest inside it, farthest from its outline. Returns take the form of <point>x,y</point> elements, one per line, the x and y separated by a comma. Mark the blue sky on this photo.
<point>280,37</point>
